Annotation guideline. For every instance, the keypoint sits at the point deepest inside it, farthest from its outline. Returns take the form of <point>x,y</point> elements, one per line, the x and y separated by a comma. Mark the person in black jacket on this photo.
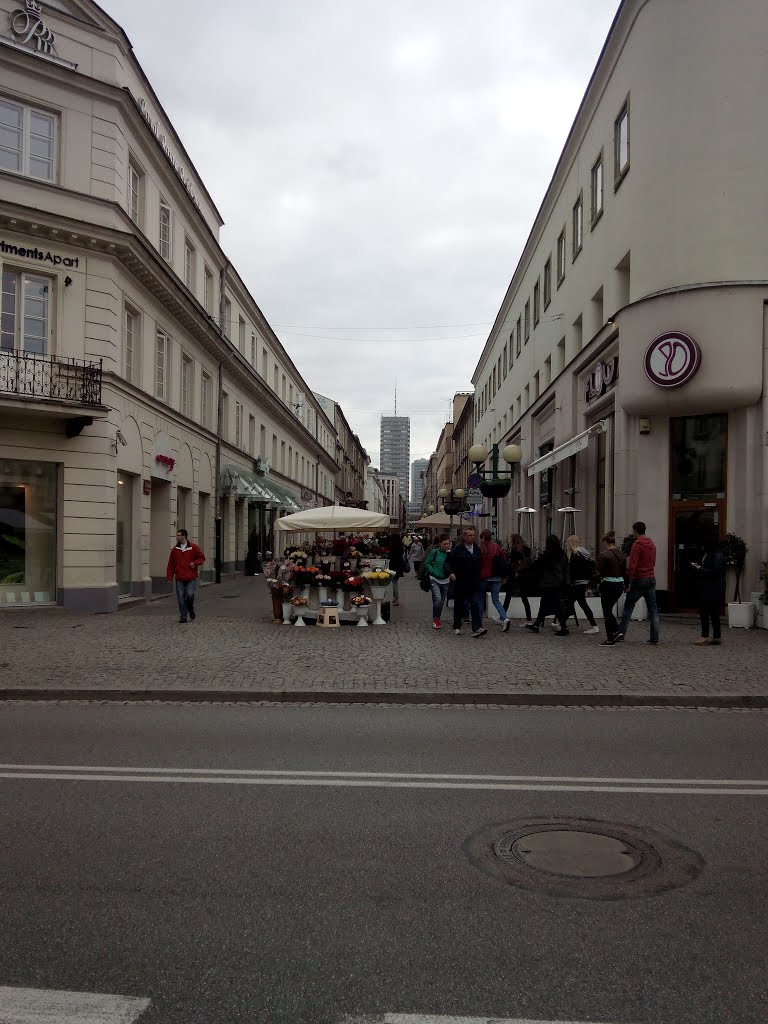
<point>552,569</point>
<point>711,591</point>
<point>463,564</point>
<point>396,563</point>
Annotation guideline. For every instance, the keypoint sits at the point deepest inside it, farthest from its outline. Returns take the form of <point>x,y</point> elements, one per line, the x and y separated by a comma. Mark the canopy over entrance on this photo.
<point>332,518</point>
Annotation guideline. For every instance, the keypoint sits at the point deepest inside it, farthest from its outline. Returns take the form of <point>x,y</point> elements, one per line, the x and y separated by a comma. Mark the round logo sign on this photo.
<point>671,360</point>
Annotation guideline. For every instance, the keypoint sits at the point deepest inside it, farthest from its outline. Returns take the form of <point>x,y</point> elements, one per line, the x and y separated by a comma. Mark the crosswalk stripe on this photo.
<point>418,1018</point>
<point>50,1006</point>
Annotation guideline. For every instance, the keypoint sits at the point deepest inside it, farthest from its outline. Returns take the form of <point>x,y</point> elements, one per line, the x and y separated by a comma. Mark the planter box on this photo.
<point>741,614</point>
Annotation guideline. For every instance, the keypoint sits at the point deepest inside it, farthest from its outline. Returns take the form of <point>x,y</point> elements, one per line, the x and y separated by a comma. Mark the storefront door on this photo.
<point>124,533</point>
<point>692,527</point>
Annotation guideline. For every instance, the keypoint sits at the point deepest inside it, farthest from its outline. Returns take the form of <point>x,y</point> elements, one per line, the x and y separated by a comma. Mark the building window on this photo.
<point>166,238</point>
<point>561,258</point>
<point>283,391</point>
<point>208,291</point>
<point>264,362</point>
<point>205,400</point>
<point>253,351</point>
<point>597,190</point>
<point>187,379</point>
<point>227,325</point>
<point>578,225</point>
<point>493,382</point>
<point>274,378</point>
<point>27,140</point>
<point>519,337</point>
<point>536,303</point>
<point>527,320</point>
<point>504,366</point>
<point>238,425</point>
<point>25,305</point>
<point>189,265</point>
<point>547,282</point>
<point>263,441</point>
<point>224,414</point>
<point>621,145</point>
<point>130,344</point>
<point>511,348</point>
<point>135,192</point>
<point>162,347</point>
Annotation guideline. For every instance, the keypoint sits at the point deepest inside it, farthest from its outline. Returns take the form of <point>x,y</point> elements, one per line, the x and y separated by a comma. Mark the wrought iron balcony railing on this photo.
<point>24,375</point>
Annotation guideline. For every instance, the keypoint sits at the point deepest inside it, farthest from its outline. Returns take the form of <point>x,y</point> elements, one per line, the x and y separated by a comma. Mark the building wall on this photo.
<point>395,445</point>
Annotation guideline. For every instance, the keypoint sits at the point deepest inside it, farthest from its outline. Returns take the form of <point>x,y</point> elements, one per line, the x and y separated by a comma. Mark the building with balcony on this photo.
<point>141,388</point>
<point>628,358</point>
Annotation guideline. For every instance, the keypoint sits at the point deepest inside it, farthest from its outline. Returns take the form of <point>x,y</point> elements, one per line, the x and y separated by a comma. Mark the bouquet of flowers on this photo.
<point>305,575</point>
<point>287,590</point>
<point>298,602</point>
<point>323,579</point>
<point>379,577</point>
<point>351,582</point>
<point>274,585</point>
<point>360,601</point>
<point>363,565</point>
<point>337,577</point>
<point>379,551</point>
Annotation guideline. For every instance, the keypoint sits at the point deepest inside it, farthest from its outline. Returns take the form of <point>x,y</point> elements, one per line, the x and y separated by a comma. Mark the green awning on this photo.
<point>244,483</point>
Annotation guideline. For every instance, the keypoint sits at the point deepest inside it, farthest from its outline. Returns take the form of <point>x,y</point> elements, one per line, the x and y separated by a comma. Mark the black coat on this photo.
<point>465,565</point>
<point>551,569</point>
<point>712,577</point>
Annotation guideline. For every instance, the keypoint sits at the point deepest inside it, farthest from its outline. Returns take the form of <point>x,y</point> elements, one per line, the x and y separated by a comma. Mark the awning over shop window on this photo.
<point>243,483</point>
<point>565,451</point>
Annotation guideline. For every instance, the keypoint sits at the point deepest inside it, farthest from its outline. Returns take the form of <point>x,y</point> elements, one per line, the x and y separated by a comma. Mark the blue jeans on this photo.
<point>638,589</point>
<point>439,595</point>
<point>493,587</point>
<point>185,595</point>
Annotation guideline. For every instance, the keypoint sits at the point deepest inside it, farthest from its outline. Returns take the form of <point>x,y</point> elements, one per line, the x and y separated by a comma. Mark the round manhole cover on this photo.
<point>571,852</point>
<point>582,857</point>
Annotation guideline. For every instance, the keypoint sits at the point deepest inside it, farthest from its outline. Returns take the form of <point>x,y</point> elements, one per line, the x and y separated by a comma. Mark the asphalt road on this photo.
<point>227,894</point>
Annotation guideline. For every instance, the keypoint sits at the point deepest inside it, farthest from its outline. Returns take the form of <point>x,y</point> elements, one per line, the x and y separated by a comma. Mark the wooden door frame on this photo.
<point>689,505</point>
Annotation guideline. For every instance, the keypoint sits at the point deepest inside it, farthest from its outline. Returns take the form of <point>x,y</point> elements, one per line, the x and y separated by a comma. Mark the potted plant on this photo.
<point>299,603</point>
<point>287,590</point>
<point>361,604</point>
<point>740,613</point>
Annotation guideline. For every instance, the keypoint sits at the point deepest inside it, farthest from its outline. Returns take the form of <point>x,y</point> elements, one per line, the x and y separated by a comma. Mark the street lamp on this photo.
<point>453,502</point>
<point>495,482</point>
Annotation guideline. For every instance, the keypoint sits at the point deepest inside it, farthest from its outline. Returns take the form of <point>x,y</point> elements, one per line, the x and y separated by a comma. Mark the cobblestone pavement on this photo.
<point>233,646</point>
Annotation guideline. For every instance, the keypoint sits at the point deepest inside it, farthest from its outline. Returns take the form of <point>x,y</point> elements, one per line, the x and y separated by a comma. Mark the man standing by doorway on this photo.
<point>185,560</point>
<point>463,564</point>
<point>642,583</point>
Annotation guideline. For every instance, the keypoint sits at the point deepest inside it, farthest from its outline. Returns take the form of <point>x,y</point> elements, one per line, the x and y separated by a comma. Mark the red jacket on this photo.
<point>642,559</point>
<point>486,561</point>
<point>184,564</point>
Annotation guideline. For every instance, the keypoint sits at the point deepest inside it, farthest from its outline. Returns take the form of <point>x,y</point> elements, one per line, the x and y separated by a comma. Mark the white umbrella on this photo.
<point>333,518</point>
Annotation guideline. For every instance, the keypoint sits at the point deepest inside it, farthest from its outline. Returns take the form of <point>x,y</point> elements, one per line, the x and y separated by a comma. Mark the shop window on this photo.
<point>698,452</point>
<point>27,140</point>
<point>27,532</point>
<point>124,532</point>
<point>25,307</point>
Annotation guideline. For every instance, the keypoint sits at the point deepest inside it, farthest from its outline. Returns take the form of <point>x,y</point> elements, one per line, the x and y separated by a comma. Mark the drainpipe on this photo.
<point>219,425</point>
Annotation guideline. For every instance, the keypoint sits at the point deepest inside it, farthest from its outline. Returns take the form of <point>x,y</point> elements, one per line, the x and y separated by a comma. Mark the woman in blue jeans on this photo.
<point>489,550</point>
<point>435,567</point>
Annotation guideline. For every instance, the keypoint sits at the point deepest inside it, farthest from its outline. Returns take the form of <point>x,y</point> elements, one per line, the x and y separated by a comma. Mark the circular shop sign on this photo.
<point>671,360</point>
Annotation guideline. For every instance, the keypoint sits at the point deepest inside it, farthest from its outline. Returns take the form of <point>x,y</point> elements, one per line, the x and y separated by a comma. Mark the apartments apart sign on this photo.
<point>157,130</point>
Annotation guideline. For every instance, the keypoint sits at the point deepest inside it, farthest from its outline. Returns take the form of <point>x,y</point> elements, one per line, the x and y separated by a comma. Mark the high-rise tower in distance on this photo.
<point>395,449</point>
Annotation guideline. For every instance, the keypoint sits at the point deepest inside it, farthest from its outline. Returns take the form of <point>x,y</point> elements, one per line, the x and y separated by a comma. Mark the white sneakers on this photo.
<point>592,630</point>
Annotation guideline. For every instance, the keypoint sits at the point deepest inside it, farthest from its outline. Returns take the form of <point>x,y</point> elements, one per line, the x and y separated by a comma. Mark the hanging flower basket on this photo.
<point>496,488</point>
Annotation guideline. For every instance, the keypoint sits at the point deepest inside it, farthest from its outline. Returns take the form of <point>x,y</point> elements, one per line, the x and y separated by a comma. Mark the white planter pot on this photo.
<point>287,609</point>
<point>762,618</point>
<point>362,615</point>
<point>299,620</point>
<point>741,614</point>
<point>322,594</point>
<point>378,593</point>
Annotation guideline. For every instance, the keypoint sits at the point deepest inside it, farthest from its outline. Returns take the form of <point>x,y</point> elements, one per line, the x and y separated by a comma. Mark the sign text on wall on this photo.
<point>157,130</point>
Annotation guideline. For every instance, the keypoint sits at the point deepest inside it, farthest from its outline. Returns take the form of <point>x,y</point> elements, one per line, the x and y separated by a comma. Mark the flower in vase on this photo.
<point>298,602</point>
<point>360,601</point>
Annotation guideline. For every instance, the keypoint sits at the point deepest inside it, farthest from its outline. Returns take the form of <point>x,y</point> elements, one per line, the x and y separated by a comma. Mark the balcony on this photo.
<point>47,378</point>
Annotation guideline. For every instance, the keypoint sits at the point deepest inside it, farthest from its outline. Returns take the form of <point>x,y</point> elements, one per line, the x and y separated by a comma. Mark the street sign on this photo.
<point>473,496</point>
<point>474,480</point>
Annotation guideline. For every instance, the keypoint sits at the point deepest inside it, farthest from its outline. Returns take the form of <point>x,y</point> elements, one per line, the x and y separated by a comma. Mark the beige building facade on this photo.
<point>628,358</point>
<point>141,388</point>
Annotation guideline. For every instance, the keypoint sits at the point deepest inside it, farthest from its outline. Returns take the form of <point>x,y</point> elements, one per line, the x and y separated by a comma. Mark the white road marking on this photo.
<point>385,780</point>
<point>47,1006</point>
<point>417,1018</point>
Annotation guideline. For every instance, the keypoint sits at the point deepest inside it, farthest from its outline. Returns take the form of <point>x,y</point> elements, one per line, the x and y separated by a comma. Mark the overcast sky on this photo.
<point>378,167</point>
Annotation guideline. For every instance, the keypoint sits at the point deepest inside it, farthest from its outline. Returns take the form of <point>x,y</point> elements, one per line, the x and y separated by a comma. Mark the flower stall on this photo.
<point>335,572</point>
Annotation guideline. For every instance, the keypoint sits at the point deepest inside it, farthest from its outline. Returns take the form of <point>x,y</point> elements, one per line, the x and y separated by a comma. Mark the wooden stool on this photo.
<point>328,618</point>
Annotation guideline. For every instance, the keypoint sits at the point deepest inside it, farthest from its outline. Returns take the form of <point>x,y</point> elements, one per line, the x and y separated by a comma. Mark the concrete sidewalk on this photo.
<point>234,652</point>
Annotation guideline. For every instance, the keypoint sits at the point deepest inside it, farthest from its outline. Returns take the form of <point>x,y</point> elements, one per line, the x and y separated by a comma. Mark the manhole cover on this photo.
<point>569,852</point>
<point>582,857</point>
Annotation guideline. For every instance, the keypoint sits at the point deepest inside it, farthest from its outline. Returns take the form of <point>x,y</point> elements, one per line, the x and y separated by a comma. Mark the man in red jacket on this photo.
<point>642,583</point>
<point>184,562</point>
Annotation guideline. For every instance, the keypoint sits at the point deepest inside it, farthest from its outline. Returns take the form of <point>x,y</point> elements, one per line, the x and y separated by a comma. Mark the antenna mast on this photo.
<point>395,396</point>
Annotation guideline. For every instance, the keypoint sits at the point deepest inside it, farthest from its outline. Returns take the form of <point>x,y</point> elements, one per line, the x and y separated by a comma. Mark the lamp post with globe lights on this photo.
<point>453,503</point>
<point>495,482</point>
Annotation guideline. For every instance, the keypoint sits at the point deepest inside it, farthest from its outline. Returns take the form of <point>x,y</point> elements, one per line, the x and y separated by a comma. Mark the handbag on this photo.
<point>424,582</point>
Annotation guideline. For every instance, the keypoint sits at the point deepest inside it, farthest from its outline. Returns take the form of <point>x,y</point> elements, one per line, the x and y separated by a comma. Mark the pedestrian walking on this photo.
<point>396,563</point>
<point>185,559</point>
<point>464,562</point>
<point>612,568</point>
<point>416,555</point>
<point>581,572</point>
<point>436,569</point>
<point>711,573</point>
<point>520,580</point>
<point>493,568</point>
<point>642,583</point>
<point>551,569</point>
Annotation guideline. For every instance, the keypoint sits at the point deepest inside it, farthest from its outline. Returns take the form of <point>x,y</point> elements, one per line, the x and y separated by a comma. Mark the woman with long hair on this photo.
<point>581,569</point>
<point>612,567</point>
<point>519,557</point>
<point>552,570</point>
<point>490,579</point>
